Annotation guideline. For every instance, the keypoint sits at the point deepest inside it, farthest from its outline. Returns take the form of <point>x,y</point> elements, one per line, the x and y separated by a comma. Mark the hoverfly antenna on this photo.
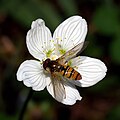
<point>46,63</point>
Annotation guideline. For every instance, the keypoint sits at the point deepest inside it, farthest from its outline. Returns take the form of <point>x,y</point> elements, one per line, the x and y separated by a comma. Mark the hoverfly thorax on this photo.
<point>50,65</point>
<point>60,67</point>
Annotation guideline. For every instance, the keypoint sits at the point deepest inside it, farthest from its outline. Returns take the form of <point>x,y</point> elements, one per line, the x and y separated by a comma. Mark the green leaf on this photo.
<point>27,11</point>
<point>115,49</point>
<point>69,7</point>
<point>4,116</point>
<point>114,114</point>
<point>106,19</point>
<point>93,49</point>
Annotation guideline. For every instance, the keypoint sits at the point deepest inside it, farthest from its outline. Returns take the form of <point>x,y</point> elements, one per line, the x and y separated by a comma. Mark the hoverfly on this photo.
<point>59,68</point>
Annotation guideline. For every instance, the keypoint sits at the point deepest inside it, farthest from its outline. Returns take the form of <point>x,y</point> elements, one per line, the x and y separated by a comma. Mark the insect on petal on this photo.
<point>71,94</point>
<point>92,70</point>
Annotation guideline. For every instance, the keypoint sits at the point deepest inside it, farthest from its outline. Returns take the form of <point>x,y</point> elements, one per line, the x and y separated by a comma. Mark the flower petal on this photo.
<point>72,94</point>
<point>31,73</point>
<point>39,39</point>
<point>71,32</point>
<point>92,70</point>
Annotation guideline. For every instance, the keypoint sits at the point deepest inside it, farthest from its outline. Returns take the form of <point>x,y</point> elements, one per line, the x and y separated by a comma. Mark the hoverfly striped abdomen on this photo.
<point>70,73</point>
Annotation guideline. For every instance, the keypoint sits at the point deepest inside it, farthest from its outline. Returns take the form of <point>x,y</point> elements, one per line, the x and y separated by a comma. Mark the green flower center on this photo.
<point>62,51</point>
<point>48,53</point>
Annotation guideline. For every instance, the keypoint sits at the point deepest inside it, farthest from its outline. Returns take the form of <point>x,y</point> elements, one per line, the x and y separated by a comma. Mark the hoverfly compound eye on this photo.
<point>46,63</point>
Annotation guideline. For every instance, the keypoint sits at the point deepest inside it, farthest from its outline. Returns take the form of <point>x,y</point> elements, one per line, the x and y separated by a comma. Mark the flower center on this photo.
<point>49,52</point>
<point>54,57</point>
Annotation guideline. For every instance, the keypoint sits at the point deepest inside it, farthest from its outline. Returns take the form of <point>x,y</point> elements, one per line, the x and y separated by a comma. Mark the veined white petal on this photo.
<point>31,73</point>
<point>71,32</point>
<point>72,94</point>
<point>37,23</point>
<point>92,70</point>
<point>39,39</point>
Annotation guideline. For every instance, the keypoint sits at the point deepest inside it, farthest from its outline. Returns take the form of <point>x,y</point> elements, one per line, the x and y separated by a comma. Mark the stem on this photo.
<point>21,116</point>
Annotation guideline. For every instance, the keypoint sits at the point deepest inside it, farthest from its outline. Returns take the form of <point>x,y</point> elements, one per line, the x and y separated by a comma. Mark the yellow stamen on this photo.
<point>69,62</point>
<point>62,51</point>
<point>49,52</point>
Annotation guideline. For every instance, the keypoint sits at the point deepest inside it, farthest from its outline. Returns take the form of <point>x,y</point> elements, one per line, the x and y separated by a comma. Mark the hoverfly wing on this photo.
<point>83,47</point>
<point>72,53</point>
<point>58,87</point>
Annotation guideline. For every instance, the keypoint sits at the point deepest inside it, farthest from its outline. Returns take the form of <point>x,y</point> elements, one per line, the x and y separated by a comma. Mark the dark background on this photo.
<point>100,102</point>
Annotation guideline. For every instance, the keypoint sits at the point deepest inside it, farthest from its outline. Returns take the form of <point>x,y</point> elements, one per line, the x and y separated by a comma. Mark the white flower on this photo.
<point>42,45</point>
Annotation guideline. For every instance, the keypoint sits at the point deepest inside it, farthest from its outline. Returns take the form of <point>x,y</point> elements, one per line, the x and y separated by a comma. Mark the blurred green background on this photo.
<point>100,102</point>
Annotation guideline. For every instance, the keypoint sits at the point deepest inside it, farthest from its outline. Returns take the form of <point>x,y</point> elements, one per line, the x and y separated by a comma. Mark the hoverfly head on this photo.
<point>46,63</point>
